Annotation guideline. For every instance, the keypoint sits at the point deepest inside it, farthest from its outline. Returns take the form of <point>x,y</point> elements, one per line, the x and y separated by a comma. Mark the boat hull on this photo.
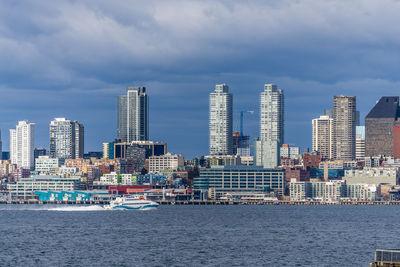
<point>135,207</point>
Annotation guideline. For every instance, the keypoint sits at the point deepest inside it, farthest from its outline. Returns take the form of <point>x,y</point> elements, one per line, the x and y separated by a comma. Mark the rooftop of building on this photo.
<point>141,142</point>
<point>387,107</point>
<point>140,89</point>
<point>54,178</point>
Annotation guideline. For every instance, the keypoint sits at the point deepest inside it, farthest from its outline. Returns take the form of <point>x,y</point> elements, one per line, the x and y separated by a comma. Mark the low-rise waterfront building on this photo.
<point>299,191</point>
<point>165,162</point>
<point>130,179</point>
<point>26,187</point>
<point>332,191</point>
<point>220,180</point>
<point>379,175</point>
<point>362,191</point>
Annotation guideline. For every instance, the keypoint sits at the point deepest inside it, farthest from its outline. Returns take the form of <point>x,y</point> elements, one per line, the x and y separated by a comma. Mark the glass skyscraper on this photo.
<point>133,115</point>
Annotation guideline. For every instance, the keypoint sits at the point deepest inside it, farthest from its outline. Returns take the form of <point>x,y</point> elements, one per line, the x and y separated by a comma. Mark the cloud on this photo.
<point>74,57</point>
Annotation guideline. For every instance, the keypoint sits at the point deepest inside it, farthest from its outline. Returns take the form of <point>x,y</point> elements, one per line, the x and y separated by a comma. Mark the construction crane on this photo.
<point>241,119</point>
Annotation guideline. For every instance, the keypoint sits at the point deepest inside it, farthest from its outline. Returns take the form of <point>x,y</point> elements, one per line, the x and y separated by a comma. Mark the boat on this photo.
<point>131,202</point>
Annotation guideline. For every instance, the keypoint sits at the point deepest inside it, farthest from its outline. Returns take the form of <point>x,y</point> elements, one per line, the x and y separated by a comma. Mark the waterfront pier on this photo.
<point>209,202</point>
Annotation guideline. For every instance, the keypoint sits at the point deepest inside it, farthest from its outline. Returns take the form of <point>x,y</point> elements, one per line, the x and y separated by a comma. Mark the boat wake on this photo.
<point>79,208</point>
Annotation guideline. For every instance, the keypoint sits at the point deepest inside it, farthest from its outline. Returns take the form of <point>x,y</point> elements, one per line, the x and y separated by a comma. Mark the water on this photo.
<point>196,235</point>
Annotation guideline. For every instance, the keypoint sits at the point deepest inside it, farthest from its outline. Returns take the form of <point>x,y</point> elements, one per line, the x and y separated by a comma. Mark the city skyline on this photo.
<point>40,83</point>
<point>269,125</point>
<point>193,153</point>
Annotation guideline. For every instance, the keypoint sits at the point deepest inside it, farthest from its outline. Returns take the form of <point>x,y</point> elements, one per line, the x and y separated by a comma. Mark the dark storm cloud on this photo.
<point>71,58</point>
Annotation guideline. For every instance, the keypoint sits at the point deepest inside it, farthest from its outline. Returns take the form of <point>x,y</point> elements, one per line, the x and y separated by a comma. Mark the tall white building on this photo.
<point>22,145</point>
<point>272,114</point>
<point>322,136</point>
<point>271,126</point>
<point>66,139</point>
<point>221,140</point>
<point>133,115</point>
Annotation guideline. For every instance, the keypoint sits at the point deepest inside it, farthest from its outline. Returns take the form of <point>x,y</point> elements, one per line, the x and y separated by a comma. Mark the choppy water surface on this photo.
<point>196,235</point>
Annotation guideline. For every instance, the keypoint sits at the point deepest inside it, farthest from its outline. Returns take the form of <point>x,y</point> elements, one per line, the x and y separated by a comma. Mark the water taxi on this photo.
<point>131,202</point>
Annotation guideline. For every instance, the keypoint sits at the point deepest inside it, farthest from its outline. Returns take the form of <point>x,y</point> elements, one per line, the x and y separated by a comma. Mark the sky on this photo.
<point>73,58</point>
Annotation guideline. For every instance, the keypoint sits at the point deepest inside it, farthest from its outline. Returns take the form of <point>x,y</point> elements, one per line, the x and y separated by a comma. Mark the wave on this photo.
<point>77,208</point>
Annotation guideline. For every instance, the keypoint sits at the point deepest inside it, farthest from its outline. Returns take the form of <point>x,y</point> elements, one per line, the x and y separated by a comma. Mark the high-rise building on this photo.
<point>360,142</point>
<point>396,142</point>
<point>133,115</point>
<point>271,126</point>
<point>358,120</point>
<point>79,139</point>
<point>379,125</point>
<point>272,114</point>
<point>22,145</point>
<point>66,139</point>
<point>241,144</point>
<point>344,127</point>
<point>322,136</point>
<point>1,145</point>
<point>221,102</point>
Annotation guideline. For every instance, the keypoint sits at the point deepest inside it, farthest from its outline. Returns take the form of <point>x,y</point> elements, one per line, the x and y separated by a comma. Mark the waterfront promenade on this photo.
<point>211,202</point>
